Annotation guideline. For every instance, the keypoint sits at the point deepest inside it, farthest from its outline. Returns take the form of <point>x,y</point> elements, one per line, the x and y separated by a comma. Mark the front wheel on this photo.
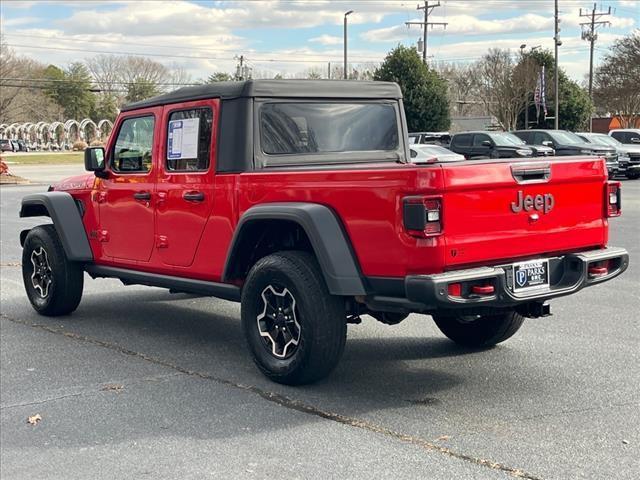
<point>296,330</point>
<point>53,283</point>
<point>479,331</point>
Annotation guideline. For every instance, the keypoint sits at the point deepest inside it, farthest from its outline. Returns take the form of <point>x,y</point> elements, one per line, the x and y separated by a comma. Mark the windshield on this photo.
<point>566,138</point>
<point>606,140</point>
<point>506,139</point>
<point>312,128</point>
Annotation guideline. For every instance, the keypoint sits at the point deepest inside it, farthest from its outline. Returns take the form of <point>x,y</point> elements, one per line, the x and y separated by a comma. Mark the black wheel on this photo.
<point>53,283</point>
<point>478,331</point>
<point>296,330</point>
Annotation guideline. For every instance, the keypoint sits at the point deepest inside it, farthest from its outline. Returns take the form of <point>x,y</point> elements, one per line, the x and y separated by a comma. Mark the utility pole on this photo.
<point>591,36</point>
<point>242,71</point>
<point>428,9</point>
<point>557,42</point>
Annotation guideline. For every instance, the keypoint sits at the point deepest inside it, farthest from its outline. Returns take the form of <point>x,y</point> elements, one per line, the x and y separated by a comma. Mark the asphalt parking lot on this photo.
<point>141,383</point>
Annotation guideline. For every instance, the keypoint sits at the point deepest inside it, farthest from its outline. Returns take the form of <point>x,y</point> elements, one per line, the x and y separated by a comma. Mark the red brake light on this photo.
<point>423,216</point>
<point>613,199</point>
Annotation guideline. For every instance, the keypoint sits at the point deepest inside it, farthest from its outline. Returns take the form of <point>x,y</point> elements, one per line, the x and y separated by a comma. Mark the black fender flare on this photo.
<point>328,239</point>
<point>64,213</point>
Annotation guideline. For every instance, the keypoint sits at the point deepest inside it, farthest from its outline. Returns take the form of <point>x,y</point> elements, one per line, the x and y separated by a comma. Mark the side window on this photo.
<point>478,139</point>
<point>132,151</point>
<point>462,140</point>
<point>540,137</point>
<point>189,140</point>
<point>619,136</point>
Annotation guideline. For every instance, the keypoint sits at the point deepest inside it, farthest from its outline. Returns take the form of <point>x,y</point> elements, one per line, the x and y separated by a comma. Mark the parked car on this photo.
<point>22,146</point>
<point>628,155</point>
<point>628,136</point>
<point>568,143</point>
<point>489,145</point>
<point>6,145</point>
<point>433,153</point>
<point>430,138</point>
<point>297,199</point>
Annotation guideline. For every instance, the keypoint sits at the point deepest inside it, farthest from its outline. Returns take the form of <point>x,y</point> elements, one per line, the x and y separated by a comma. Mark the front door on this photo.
<point>126,197</point>
<point>185,180</point>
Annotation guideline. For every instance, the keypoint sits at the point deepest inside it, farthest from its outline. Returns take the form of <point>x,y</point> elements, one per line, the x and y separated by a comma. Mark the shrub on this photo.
<point>79,146</point>
<point>96,143</point>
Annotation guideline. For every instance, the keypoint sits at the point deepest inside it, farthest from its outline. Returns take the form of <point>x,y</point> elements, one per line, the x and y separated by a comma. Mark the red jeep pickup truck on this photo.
<point>297,199</point>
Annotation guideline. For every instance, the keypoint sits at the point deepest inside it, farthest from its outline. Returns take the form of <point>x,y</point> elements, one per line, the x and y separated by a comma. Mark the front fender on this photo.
<point>64,213</point>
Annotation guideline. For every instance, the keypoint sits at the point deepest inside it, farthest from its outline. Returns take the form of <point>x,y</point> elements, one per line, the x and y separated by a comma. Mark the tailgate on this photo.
<point>502,210</point>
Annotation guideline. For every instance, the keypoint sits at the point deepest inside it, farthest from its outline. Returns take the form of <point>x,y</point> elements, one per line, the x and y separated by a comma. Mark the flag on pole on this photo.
<point>537,96</point>
<point>543,92</point>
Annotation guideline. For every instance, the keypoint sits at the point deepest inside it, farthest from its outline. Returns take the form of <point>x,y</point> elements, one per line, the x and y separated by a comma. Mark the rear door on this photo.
<point>186,179</point>
<point>461,143</point>
<point>125,198</point>
<point>505,210</point>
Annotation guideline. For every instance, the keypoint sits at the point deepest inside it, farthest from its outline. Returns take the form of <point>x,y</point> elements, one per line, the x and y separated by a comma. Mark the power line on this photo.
<point>428,9</point>
<point>591,36</point>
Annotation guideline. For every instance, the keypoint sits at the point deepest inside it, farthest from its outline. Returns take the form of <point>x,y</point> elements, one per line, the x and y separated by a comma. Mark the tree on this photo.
<point>23,100</point>
<point>141,89</point>
<point>575,105</point>
<point>424,91</point>
<point>219,77</point>
<point>617,80</point>
<point>462,89</point>
<point>504,85</point>
<point>71,89</point>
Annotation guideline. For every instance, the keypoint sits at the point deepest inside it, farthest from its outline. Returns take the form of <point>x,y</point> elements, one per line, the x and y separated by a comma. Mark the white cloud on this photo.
<point>18,21</point>
<point>466,25</point>
<point>327,40</point>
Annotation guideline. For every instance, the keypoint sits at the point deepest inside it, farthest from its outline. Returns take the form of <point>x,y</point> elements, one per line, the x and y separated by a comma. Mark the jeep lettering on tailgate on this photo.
<point>297,198</point>
<point>542,203</point>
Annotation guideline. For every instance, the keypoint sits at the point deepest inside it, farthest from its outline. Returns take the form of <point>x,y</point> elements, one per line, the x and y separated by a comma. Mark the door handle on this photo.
<point>146,196</point>
<point>193,196</point>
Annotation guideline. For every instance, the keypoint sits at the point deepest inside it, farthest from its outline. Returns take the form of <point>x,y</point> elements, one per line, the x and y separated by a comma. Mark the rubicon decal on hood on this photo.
<point>541,202</point>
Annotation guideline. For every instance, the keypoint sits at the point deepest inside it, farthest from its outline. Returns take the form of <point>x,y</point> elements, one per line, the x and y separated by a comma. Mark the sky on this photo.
<point>293,36</point>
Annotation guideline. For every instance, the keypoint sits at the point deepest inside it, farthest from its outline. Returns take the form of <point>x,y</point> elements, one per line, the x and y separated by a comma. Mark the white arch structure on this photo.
<point>56,135</point>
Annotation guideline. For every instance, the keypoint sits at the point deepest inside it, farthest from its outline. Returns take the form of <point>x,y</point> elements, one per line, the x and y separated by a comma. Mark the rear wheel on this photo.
<point>478,331</point>
<point>296,330</point>
<point>53,283</point>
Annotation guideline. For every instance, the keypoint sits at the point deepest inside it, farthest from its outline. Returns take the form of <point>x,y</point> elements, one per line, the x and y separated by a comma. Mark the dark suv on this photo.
<point>495,145</point>
<point>568,143</point>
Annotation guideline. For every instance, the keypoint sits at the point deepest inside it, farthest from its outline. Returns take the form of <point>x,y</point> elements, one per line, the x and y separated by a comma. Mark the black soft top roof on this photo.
<point>275,89</point>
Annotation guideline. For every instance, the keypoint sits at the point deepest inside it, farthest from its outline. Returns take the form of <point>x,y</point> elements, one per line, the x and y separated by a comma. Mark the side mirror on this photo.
<point>486,143</point>
<point>94,159</point>
<point>635,140</point>
<point>548,143</point>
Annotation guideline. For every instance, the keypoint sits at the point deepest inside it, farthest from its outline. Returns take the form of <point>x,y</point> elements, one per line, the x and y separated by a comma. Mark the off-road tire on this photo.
<point>485,331</point>
<point>321,317</point>
<point>66,279</point>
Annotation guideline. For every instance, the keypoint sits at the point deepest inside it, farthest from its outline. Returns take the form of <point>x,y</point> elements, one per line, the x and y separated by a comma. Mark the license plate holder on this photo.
<point>529,275</point>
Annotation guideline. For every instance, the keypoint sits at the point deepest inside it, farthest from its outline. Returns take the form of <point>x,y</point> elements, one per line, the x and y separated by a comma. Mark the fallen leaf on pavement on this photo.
<point>443,438</point>
<point>113,387</point>
<point>33,420</point>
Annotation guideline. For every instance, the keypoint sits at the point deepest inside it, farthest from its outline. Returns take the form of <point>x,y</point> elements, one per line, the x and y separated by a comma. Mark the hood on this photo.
<point>77,182</point>
<point>630,149</point>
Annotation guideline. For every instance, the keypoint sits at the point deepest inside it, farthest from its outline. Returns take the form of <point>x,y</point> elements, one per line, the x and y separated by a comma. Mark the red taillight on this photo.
<point>613,199</point>
<point>423,216</point>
